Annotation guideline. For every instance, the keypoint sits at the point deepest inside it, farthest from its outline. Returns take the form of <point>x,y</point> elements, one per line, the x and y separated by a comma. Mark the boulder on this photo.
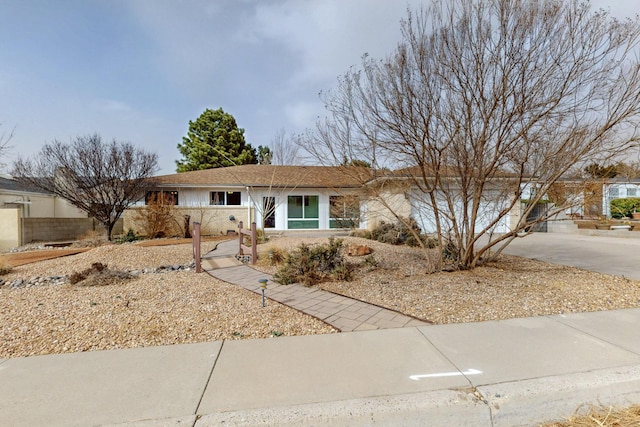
<point>359,250</point>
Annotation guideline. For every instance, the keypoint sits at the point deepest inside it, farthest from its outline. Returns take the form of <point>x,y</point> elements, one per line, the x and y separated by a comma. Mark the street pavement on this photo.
<point>498,373</point>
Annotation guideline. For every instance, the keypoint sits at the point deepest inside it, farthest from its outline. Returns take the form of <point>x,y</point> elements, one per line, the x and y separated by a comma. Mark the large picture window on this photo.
<point>302,212</point>
<point>225,198</point>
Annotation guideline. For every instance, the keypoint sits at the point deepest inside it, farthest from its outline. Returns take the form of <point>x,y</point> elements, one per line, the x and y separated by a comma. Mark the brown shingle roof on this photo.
<point>270,175</point>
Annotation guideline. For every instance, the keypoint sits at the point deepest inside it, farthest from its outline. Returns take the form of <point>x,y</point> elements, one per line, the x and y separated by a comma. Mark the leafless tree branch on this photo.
<point>102,179</point>
<point>483,100</point>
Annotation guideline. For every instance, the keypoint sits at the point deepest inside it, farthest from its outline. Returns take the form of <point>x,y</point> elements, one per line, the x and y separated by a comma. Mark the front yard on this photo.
<point>180,306</point>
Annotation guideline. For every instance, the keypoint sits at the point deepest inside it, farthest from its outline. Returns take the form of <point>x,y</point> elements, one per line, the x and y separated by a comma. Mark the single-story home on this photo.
<point>283,198</point>
<point>275,197</point>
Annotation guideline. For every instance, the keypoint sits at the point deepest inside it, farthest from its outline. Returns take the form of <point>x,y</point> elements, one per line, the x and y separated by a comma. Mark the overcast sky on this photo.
<point>139,70</point>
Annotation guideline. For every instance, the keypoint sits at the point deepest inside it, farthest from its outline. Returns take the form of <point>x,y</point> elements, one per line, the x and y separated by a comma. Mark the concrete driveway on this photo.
<point>604,254</point>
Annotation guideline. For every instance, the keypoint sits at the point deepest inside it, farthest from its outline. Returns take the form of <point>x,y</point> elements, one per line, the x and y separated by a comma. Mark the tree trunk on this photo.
<point>108,226</point>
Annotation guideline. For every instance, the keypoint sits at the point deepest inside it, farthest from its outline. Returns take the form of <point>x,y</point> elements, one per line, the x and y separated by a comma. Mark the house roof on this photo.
<point>10,184</point>
<point>444,171</point>
<point>271,176</point>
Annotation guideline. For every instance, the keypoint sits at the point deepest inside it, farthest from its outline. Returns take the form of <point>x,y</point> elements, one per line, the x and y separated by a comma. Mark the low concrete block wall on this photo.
<point>52,229</point>
<point>214,220</point>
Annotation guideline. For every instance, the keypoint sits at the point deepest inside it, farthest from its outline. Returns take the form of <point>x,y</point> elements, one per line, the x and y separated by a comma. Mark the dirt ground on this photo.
<point>27,257</point>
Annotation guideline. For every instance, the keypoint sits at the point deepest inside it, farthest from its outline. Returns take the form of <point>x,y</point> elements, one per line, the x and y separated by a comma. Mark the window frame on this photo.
<point>307,208</point>
<point>225,198</point>
<point>173,197</point>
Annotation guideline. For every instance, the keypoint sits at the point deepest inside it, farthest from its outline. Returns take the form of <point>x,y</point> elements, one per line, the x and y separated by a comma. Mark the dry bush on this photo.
<point>92,239</point>
<point>158,218</point>
<point>98,275</point>
<point>602,417</point>
<point>311,265</point>
<point>5,267</point>
<point>277,256</point>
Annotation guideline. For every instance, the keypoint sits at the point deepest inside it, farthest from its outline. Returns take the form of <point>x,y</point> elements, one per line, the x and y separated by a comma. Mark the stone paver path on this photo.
<point>343,313</point>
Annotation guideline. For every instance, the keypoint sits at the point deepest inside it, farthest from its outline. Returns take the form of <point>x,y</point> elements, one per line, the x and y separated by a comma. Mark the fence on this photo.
<point>254,241</point>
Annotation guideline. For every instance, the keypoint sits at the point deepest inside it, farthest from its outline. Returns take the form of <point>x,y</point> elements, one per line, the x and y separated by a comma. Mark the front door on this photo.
<point>269,212</point>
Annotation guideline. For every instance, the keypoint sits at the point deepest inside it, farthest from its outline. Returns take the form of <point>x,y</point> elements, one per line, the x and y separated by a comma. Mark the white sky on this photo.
<point>139,70</point>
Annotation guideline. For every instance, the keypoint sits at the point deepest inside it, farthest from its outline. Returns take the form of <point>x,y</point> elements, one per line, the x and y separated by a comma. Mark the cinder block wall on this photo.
<point>214,220</point>
<point>52,229</point>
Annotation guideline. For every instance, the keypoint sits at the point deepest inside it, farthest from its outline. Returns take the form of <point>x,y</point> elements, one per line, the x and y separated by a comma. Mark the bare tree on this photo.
<point>483,107</point>
<point>102,179</point>
<point>284,150</point>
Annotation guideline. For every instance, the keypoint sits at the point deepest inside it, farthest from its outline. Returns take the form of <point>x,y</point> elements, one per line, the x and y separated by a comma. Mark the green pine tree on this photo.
<point>214,140</point>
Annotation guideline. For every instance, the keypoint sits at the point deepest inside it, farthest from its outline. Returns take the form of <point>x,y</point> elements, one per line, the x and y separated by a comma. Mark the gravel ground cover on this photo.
<point>151,309</point>
<point>511,287</point>
<point>181,306</point>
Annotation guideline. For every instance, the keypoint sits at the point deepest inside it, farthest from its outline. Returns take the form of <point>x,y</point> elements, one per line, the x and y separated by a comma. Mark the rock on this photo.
<point>359,250</point>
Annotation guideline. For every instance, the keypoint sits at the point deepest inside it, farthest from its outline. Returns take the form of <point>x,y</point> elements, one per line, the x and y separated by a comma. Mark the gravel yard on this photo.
<point>152,309</point>
<point>511,287</point>
<point>182,307</point>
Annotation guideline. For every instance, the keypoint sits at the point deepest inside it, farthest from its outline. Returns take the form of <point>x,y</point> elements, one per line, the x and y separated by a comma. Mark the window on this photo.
<point>161,198</point>
<point>614,192</point>
<point>225,198</point>
<point>344,212</point>
<point>631,192</point>
<point>302,212</point>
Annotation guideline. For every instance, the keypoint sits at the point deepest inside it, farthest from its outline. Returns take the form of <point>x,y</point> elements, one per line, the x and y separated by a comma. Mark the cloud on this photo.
<point>329,35</point>
<point>301,114</point>
<point>111,106</point>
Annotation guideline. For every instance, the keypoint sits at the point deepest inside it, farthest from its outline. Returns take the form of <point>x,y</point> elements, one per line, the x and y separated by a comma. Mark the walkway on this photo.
<point>343,313</point>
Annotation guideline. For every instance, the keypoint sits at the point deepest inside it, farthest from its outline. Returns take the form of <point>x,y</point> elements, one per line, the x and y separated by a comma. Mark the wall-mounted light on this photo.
<point>232,218</point>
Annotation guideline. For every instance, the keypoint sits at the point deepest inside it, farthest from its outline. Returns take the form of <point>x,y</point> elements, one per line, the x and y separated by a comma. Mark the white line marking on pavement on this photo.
<point>446,374</point>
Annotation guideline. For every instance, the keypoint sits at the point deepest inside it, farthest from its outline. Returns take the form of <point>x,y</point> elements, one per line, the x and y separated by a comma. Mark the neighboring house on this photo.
<point>33,202</point>
<point>591,198</point>
<point>276,197</point>
<point>28,214</point>
<point>618,188</point>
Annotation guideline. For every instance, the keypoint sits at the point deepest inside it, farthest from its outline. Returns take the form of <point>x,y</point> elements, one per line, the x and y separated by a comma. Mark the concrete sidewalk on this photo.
<point>506,373</point>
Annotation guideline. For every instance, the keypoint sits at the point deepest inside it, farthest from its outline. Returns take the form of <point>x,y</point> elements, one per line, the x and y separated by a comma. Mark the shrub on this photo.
<point>129,237</point>
<point>450,252</point>
<point>92,239</point>
<point>98,275</point>
<point>399,234</point>
<point>277,256</point>
<point>370,262</point>
<point>158,218</point>
<point>621,208</point>
<point>312,265</point>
